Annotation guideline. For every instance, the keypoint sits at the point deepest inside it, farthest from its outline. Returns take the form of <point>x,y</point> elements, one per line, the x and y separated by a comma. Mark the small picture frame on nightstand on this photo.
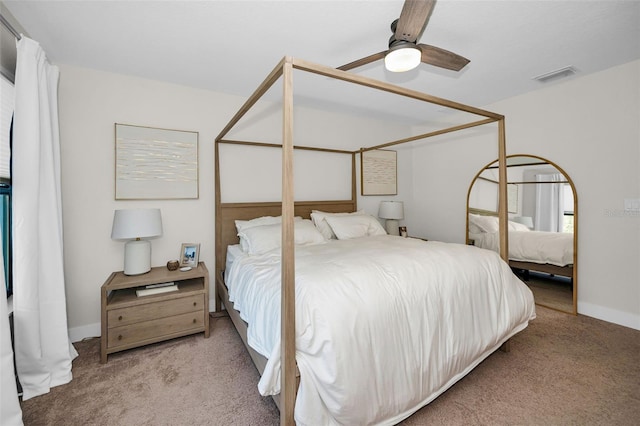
<point>403,231</point>
<point>189,254</point>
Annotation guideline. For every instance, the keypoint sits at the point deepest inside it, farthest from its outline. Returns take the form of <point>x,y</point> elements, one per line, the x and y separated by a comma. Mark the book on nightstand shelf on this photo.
<point>170,283</point>
<point>156,290</point>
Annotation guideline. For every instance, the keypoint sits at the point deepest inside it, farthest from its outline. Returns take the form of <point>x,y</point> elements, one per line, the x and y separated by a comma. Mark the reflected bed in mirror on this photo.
<point>542,205</point>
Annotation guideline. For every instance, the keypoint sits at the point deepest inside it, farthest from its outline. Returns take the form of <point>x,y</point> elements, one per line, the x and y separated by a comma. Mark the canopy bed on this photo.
<point>289,285</point>
<point>544,195</point>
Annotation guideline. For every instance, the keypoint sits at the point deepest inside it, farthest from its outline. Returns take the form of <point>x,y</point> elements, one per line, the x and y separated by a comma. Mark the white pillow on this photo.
<point>318,217</point>
<point>261,239</point>
<point>484,223</point>
<point>474,229</point>
<point>259,221</point>
<point>515,226</point>
<point>242,225</point>
<point>355,226</point>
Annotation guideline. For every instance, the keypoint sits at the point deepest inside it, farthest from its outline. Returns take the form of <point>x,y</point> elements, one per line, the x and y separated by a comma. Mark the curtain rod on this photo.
<point>9,27</point>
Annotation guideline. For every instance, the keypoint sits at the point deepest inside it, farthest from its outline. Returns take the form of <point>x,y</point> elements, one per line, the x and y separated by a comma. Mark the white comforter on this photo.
<point>383,324</point>
<point>555,248</point>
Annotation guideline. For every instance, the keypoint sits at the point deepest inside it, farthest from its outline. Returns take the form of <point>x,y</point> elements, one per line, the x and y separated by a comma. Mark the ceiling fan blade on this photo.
<point>413,19</point>
<point>364,61</point>
<point>442,58</point>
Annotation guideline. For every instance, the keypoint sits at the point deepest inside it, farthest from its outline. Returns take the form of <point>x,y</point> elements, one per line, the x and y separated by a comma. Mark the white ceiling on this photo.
<point>230,46</point>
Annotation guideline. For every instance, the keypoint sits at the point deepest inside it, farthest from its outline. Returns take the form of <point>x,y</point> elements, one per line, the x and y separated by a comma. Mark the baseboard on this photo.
<point>614,316</point>
<point>77,334</point>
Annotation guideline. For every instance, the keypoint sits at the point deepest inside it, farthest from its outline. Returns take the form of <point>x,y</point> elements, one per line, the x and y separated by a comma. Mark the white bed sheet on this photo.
<point>233,251</point>
<point>383,324</point>
<point>554,248</point>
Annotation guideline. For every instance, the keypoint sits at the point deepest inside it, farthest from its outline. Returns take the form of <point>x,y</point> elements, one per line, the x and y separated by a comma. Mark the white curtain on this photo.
<point>10,412</point>
<point>549,203</point>
<point>43,349</point>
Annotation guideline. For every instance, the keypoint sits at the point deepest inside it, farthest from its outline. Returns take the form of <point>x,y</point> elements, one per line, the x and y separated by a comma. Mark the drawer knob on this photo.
<point>119,336</point>
<point>195,303</point>
<point>194,320</point>
<point>120,318</point>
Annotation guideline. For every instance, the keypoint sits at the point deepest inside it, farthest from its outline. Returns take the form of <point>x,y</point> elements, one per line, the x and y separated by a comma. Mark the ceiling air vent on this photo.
<point>554,75</point>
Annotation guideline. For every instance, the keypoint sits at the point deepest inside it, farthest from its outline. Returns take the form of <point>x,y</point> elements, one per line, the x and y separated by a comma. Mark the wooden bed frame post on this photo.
<point>502,192</point>
<point>218,239</point>
<point>503,202</point>
<point>288,387</point>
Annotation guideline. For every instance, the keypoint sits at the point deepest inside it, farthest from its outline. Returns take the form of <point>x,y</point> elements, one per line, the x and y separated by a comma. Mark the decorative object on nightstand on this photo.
<point>172,265</point>
<point>525,220</point>
<point>392,211</point>
<point>136,225</point>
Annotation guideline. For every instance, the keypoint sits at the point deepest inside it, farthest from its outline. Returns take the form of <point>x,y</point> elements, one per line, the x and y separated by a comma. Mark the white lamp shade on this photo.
<point>525,220</point>
<point>391,210</point>
<point>403,58</point>
<point>134,225</point>
<point>130,224</point>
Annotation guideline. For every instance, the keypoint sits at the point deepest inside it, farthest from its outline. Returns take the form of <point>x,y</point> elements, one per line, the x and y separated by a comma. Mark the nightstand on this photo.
<point>129,321</point>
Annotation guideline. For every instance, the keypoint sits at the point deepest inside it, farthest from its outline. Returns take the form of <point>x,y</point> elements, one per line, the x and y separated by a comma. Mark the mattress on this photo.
<point>554,248</point>
<point>383,324</point>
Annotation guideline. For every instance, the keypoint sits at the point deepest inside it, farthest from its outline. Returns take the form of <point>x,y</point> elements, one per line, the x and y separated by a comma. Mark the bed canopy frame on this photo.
<point>288,208</point>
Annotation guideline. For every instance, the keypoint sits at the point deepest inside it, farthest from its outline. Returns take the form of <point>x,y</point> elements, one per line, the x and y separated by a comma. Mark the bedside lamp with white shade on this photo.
<point>136,225</point>
<point>392,211</point>
<point>525,220</point>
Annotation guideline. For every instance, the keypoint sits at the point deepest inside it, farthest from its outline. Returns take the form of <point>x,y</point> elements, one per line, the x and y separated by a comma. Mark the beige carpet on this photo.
<point>562,370</point>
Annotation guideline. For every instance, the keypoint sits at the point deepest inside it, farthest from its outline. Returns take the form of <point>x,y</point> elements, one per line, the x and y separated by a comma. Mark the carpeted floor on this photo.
<point>562,370</point>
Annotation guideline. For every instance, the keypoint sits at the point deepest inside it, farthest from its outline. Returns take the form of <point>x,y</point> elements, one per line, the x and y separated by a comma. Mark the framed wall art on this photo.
<point>379,172</point>
<point>154,163</point>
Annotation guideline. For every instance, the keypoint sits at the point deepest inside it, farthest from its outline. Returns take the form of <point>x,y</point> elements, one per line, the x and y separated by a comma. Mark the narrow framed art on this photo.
<point>154,163</point>
<point>379,172</point>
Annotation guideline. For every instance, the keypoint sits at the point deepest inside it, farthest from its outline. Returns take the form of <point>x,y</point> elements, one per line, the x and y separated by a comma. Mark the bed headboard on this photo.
<point>228,213</point>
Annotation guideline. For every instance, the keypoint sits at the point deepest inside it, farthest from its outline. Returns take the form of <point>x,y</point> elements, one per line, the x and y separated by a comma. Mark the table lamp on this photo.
<point>525,220</point>
<point>135,225</point>
<point>391,211</point>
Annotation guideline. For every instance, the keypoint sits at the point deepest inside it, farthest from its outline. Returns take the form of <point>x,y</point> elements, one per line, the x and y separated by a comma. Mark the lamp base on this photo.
<point>137,257</point>
<point>393,227</point>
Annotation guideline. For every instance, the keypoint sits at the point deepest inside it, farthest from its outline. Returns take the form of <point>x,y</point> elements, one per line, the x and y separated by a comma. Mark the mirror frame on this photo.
<point>574,278</point>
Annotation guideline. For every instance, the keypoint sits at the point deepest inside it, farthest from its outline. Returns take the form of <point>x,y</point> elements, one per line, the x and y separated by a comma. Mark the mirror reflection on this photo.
<point>542,207</point>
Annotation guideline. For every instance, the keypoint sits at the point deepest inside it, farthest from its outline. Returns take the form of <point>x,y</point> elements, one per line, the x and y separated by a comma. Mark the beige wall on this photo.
<point>90,102</point>
<point>589,126</point>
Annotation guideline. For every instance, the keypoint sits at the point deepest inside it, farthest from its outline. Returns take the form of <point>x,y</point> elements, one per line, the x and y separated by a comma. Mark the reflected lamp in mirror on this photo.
<point>392,211</point>
<point>525,220</point>
<point>136,226</point>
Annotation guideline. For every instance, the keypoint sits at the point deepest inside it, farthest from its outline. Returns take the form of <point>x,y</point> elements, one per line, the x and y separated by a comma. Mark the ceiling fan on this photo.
<point>404,52</point>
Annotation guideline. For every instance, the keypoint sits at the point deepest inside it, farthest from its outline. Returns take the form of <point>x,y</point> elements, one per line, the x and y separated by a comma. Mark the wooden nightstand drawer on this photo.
<point>149,330</point>
<point>154,310</point>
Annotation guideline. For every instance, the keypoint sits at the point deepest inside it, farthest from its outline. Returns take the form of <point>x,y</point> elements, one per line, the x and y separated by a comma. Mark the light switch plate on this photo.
<point>632,204</point>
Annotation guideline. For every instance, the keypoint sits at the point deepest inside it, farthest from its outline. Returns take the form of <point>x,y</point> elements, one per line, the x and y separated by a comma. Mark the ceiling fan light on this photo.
<point>403,58</point>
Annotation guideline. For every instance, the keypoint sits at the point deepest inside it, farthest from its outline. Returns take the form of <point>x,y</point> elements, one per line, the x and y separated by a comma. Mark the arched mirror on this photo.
<point>543,226</point>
